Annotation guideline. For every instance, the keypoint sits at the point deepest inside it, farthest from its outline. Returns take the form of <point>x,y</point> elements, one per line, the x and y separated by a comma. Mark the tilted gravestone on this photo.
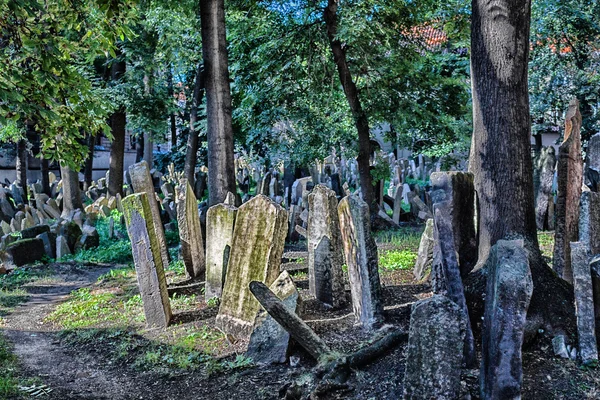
<point>269,341</point>
<point>584,302</point>
<point>589,221</point>
<point>256,250</point>
<point>435,350</point>
<point>425,253</point>
<point>147,259</point>
<point>509,289</point>
<point>543,178</point>
<point>570,178</point>
<point>190,233</point>
<point>325,257</point>
<point>398,204</point>
<point>220,222</point>
<point>360,253</point>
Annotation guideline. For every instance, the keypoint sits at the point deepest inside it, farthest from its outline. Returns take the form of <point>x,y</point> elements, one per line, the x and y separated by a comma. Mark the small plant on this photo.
<point>395,260</point>
<point>213,302</point>
<point>8,367</point>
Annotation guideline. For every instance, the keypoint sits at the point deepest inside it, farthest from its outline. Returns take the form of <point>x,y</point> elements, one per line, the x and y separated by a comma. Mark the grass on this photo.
<point>11,292</point>
<point>393,260</point>
<point>403,238</point>
<point>546,241</point>
<point>9,383</point>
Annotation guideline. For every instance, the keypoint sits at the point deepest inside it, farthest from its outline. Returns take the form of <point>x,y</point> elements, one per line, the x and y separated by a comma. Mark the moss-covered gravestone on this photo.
<point>220,221</point>
<point>147,260</point>
<point>142,183</point>
<point>325,257</point>
<point>190,233</point>
<point>360,253</point>
<point>256,250</point>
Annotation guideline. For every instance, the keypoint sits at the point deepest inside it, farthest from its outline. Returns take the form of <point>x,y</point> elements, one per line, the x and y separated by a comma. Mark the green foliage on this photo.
<point>394,260</point>
<point>116,252</point>
<point>9,384</point>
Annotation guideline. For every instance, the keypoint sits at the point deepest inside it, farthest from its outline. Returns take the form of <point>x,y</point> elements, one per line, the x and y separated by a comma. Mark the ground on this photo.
<point>75,330</point>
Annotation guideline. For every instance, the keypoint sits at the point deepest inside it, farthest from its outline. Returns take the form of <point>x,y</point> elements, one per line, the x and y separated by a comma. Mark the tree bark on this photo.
<point>352,96</point>
<point>117,147</point>
<point>89,163</point>
<point>171,92</point>
<point>191,154</point>
<point>221,174</point>
<point>71,191</point>
<point>21,167</point>
<point>148,142</point>
<point>500,156</point>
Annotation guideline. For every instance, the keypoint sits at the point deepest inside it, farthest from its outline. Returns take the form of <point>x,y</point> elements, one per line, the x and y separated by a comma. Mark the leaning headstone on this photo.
<point>589,221</point>
<point>584,302</point>
<point>360,253</point>
<point>147,259</point>
<point>256,250</point>
<point>269,341</point>
<point>448,263</point>
<point>220,221</point>
<point>509,289</point>
<point>325,257</point>
<point>543,177</point>
<point>24,251</point>
<point>435,350</point>
<point>142,183</point>
<point>62,247</point>
<point>397,204</point>
<point>425,254</point>
<point>458,190</point>
<point>190,233</point>
<point>48,247</point>
<point>90,239</point>
<point>570,178</point>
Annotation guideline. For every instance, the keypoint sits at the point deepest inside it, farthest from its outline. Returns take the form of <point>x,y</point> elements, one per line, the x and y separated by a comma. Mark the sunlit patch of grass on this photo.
<point>184,302</point>
<point>392,260</point>
<point>403,238</point>
<point>118,276</point>
<point>546,241</point>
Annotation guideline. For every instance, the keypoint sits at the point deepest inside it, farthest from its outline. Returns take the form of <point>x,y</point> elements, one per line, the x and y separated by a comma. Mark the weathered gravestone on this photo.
<point>584,302</point>
<point>142,183</point>
<point>509,289</point>
<point>360,253</point>
<point>269,341</point>
<point>24,251</point>
<point>220,222</point>
<point>325,257</point>
<point>592,164</point>
<point>570,177</point>
<point>542,181</point>
<point>435,350</point>
<point>190,233</point>
<point>398,204</point>
<point>458,190</point>
<point>147,259</point>
<point>589,221</point>
<point>256,250</point>
<point>425,254</point>
<point>449,271</point>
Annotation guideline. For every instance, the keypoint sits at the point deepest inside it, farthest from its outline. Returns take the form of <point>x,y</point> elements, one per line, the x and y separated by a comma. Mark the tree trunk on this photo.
<point>21,167</point>
<point>360,118</point>
<point>71,192</point>
<point>148,142</point>
<point>89,163</point>
<point>192,142</point>
<point>139,148</point>
<point>45,172</point>
<point>221,174</point>
<point>117,148</point>
<point>500,150</point>
<point>170,92</point>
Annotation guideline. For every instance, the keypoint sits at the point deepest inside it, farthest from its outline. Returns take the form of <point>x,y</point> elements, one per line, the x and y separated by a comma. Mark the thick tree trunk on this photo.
<point>192,142</point>
<point>117,147</point>
<point>360,118</point>
<point>139,148</point>
<point>71,191</point>
<point>89,163</point>
<point>500,150</point>
<point>170,91</point>
<point>221,174</point>
<point>45,172</point>
<point>21,167</point>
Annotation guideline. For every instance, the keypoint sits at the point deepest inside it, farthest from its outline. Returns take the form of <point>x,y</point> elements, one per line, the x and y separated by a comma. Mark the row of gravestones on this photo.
<point>246,244</point>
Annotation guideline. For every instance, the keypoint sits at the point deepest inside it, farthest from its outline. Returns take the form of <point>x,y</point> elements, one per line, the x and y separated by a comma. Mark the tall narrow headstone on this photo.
<point>147,259</point>
<point>570,178</point>
<point>543,177</point>
<point>425,253</point>
<point>256,250</point>
<point>325,257</point>
<point>398,204</point>
<point>142,183</point>
<point>509,289</point>
<point>220,221</point>
<point>592,164</point>
<point>589,221</point>
<point>584,302</point>
<point>190,233</point>
<point>360,253</point>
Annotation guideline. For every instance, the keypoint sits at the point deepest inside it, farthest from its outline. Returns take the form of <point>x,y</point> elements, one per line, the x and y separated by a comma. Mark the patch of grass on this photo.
<point>394,260</point>
<point>10,299</point>
<point>9,384</point>
<point>177,266</point>
<point>116,252</point>
<point>546,241</point>
<point>299,274</point>
<point>403,238</point>
<point>118,276</point>
<point>21,276</point>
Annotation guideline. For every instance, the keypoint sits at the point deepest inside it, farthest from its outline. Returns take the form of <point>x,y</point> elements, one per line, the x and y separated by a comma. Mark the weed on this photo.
<point>395,260</point>
<point>177,266</point>
<point>118,252</point>
<point>299,274</point>
<point>213,302</point>
<point>120,275</point>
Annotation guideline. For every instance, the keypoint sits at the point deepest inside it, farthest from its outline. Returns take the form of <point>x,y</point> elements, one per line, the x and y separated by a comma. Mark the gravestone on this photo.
<point>62,247</point>
<point>24,251</point>
<point>584,302</point>
<point>269,341</point>
<point>190,233</point>
<point>435,350</point>
<point>398,204</point>
<point>508,292</point>
<point>543,178</point>
<point>256,250</point>
<point>592,164</point>
<point>220,222</point>
<point>142,183</point>
<point>147,259</point>
<point>360,253</point>
<point>589,221</point>
<point>458,190</point>
<point>425,253</point>
<point>570,177</point>
<point>325,257</point>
